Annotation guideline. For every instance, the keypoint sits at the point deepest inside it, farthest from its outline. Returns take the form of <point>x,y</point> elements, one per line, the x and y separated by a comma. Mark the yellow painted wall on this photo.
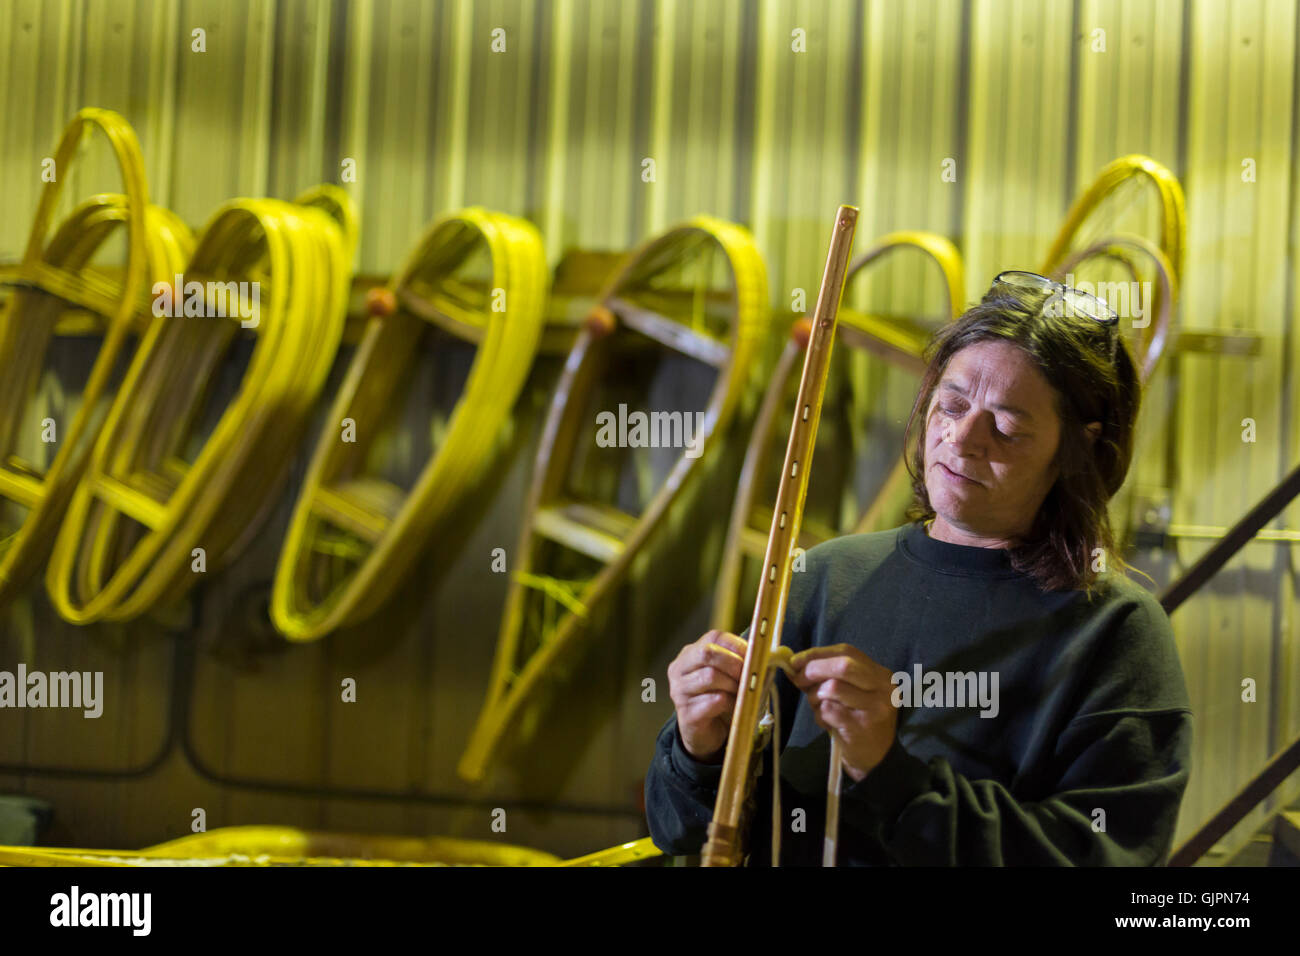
<point>556,128</point>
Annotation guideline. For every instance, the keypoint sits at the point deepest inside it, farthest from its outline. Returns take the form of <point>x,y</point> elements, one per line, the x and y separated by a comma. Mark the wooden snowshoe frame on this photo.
<point>636,311</point>
<point>57,291</point>
<point>899,341</point>
<point>150,503</point>
<point>1160,256</point>
<point>374,518</point>
<point>1163,255</point>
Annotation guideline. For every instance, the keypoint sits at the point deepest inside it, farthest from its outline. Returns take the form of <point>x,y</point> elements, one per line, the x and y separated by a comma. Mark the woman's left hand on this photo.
<point>850,697</point>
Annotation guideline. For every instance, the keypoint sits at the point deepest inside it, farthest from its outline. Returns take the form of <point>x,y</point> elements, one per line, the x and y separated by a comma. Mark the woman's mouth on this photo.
<point>956,478</point>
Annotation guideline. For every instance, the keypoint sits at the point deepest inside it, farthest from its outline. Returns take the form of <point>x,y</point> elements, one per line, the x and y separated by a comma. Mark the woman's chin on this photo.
<point>953,509</point>
<point>948,501</point>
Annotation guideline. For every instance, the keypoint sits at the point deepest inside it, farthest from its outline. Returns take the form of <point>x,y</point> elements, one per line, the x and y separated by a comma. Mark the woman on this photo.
<point>1002,694</point>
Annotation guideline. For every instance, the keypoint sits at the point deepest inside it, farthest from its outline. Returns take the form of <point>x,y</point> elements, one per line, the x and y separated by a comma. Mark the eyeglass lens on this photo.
<point>1026,280</point>
<point>1082,302</point>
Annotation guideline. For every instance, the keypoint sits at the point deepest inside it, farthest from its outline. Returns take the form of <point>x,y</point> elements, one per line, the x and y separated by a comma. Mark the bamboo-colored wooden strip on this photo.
<point>722,847</point>
<point>355,507</point>
<point>559,524</point>
<point>673,334</point>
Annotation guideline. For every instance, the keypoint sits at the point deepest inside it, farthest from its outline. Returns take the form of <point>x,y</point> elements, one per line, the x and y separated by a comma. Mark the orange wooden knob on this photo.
<point>801,331</point>
<point>380,301</point>
<point>601,321</point>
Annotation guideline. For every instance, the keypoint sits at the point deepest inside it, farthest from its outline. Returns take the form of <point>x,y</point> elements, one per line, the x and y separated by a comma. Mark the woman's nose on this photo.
<point>962,433</point>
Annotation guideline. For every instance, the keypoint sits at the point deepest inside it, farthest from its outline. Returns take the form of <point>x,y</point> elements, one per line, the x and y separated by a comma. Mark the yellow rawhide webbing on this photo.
<point>343,508</point>
<point>53,277</point>
<point>130,536</point>
<point>557,589</point>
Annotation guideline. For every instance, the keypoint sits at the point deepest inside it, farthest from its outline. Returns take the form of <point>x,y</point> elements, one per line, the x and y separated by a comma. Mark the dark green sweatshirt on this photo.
<point>1083,756</point>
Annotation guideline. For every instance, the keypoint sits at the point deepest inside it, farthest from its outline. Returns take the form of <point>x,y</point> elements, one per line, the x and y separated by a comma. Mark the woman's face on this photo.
<point>991,436</point>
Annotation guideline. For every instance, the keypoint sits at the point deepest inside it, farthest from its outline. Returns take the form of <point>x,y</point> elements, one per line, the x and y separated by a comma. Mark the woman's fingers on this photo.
<point>706,667</point>
<point>727,641</point>
<point>704,680</point>
<point>717,649</point>
<point>842,662</point>
<point>842,692</point>
<point>704,707</point>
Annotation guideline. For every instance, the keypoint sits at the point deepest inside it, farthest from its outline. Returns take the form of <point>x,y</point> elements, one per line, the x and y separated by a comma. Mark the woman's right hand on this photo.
<point>703,681</point>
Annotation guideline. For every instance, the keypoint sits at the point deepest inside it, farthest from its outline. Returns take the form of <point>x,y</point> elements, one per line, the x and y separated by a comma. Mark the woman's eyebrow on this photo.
<point>1010,409</point>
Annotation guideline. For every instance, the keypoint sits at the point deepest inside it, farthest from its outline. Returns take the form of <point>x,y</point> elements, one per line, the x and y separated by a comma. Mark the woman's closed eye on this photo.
<point>1007,435</point>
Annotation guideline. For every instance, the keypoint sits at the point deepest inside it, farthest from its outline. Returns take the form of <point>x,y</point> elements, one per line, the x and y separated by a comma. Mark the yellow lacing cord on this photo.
<point>774,708</point>
<point>556,591</point>
<point>781,657</point>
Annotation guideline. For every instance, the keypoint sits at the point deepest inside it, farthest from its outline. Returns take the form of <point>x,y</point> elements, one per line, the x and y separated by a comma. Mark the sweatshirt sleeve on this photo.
<point>681,792</point>
<point>1118,775</point>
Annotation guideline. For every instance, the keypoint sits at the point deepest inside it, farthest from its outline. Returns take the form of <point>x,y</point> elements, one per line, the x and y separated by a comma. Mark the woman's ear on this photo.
<point>1094,431</point>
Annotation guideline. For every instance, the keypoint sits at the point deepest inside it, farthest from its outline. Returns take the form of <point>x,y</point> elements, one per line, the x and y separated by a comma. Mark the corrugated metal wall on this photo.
<point>557,128</point>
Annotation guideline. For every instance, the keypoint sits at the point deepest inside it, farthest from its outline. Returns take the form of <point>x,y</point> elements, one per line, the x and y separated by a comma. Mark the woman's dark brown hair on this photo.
<point>1094,379</point>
